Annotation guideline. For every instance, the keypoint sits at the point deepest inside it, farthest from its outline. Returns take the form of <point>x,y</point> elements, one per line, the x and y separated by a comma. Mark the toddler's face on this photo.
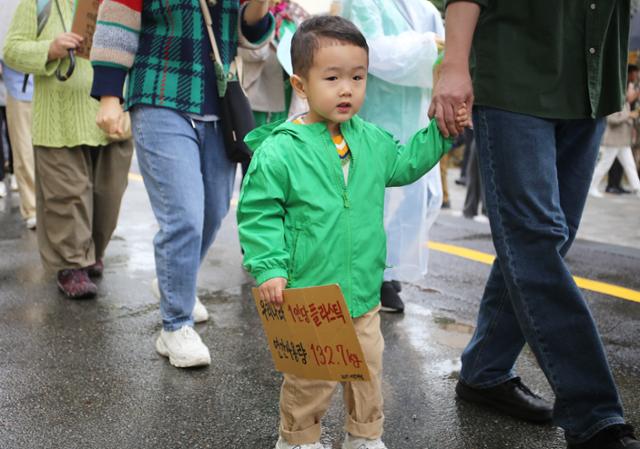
<point>336,83</point>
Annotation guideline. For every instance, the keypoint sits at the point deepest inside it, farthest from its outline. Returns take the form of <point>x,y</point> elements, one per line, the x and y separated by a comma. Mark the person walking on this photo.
<point>80,174</point>
<point>538,105</point>
<point>264,79</point>
<point>18,115</point>
<point>403,37</point>
<point>19,130</point>
<point>173,93</point>
<point>5,143</point>
<point>616,144</point>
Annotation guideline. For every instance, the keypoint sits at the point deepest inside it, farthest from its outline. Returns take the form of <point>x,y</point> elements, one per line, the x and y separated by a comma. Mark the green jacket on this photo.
<point>298,220</point>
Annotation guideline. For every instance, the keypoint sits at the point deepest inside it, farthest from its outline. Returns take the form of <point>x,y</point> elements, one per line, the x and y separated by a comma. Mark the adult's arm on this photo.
<point>255,11</point>
<point>454,86</point>
<point>115,44</point>
<point>25,52</point>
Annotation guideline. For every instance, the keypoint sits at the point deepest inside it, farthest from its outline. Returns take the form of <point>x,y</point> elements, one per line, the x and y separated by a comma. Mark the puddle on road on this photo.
<point>438,338</point>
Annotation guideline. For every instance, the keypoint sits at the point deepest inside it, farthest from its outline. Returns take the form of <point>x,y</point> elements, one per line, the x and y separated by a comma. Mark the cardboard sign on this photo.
<point>311,335</point>
<point>84,24</point>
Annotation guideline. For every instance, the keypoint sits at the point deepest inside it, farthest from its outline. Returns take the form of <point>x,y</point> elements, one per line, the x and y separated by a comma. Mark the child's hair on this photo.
<point>306,39</point>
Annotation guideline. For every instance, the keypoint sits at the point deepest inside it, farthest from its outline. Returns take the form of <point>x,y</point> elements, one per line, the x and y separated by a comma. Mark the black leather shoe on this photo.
<point>390,300</point>
<point>619,436</point>
<point>397,285</point>
<point>512,398</point>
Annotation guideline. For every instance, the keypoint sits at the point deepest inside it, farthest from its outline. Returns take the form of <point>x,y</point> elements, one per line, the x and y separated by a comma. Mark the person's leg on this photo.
<point>526,194</point>
<point>464,167</point>
<point>64,207</point>
<point>630,170</point>
<point>218,174</point>
<point>2,151</point>
<point>607,156</point>
<point>472,198</point>
<point>363,400</point>
<point>614,177</point>
<point>4,130</point>
<point>19,125</point>
<point>444,167</point>
<point>110,174</point>
<point>168,151</point>
<point>303,403</point>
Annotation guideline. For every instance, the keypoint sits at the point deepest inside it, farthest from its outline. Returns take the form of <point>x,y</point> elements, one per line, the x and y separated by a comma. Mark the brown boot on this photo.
<point>76,284</point>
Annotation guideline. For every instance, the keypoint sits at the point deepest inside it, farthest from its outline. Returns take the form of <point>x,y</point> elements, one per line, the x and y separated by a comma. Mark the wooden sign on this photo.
<point>311,335</point>
<point>84,24</point>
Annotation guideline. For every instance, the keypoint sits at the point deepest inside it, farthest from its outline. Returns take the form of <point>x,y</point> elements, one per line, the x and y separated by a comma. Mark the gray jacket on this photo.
<point>619,128</point>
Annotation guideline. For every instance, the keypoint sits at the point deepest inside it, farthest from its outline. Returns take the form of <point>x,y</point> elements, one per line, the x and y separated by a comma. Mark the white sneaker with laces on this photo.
<point>14,183</point>
<point>351,442</point>
<point>3,189</point>
<point>282,444</point>
<point>183,347</point>
<point>200,314</point>
<point>31,223</point>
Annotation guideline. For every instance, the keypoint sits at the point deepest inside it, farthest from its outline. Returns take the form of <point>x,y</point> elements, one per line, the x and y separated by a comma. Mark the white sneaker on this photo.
<point>200,314</point>
<point>13,183</point>
<point>183,347</point>
<point>3,189</point>
<point>351,442</point>
<point>595,193</point>
<point>31,223</point>
<point>481,219</point>
<point>282,444</point>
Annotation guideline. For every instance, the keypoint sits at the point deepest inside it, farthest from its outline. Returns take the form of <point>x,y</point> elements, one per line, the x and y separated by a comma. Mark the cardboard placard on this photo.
<point>84,24</point>
<point>312,335</point>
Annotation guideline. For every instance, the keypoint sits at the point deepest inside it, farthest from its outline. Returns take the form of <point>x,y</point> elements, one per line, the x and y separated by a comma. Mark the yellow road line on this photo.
<point>587,284</point>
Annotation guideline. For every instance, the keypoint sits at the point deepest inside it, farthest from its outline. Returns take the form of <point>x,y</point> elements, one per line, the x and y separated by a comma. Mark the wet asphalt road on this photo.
<point>84,374</point>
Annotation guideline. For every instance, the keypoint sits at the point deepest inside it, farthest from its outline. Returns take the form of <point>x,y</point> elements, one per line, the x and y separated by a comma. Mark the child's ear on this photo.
<point>298,86</point>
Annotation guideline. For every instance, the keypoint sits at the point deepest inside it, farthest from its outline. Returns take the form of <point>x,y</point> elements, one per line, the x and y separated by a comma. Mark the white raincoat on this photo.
<point>400,34</point>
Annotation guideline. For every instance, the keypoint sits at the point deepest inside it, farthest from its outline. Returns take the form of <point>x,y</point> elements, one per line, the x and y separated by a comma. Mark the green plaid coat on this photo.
<point>160,44</point>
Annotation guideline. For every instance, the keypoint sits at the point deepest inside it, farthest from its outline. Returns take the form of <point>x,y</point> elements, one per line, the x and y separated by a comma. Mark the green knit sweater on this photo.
<point>64,114</point>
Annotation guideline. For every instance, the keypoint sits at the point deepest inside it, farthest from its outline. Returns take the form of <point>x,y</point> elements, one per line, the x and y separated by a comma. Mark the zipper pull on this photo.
<point>345,199</point>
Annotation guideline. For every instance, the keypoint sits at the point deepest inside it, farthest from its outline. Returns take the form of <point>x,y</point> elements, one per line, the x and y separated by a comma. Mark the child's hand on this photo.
<point>463,119</point>
<point>271,290</point>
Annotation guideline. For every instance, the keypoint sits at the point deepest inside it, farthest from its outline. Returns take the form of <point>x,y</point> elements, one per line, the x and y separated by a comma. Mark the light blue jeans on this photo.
<point>189,180</point>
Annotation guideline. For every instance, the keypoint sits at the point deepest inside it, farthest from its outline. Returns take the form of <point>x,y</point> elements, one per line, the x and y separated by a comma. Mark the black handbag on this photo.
<point>236,116</point>
<point>237,121</point>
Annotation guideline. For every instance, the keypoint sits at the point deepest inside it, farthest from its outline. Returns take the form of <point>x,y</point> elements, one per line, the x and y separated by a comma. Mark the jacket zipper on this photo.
<point>347,205</point>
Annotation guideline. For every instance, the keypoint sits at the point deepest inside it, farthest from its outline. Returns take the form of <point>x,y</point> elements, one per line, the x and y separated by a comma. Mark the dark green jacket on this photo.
<point>299,220</point>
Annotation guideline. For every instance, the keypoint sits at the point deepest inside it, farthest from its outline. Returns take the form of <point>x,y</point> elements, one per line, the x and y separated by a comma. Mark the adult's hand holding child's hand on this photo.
<point>271,290</point>
<point>452,90</point>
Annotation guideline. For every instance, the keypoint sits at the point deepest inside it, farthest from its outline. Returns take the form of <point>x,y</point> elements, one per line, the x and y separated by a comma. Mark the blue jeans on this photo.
<point>536,174</point>
<point>189,180</point>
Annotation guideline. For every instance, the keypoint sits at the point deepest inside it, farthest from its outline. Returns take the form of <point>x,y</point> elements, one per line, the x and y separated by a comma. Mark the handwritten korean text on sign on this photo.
<point>312,336</point>
<point>84,24</point>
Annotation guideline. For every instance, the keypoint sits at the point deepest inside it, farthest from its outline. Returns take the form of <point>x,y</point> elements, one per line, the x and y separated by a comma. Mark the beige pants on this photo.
<point>19,126</point>
<point>303,402</point>
<point>444,169</point>
<point>78,195</point>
